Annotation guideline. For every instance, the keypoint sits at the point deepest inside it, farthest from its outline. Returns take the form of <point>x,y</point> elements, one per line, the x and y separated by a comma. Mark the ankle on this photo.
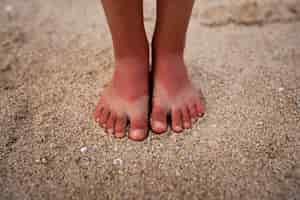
<point>132,52</point>
<point>167,59</point>
<point>169,67</point>
<point>132,61</point>
<point>167,50</point>
<point>132,66</point>
<point>131,77</point>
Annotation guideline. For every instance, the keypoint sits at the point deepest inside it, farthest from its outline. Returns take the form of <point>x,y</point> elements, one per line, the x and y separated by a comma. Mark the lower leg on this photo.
<point>125,20</point>
<point>126,98</point>
<point>173,92</point>
<point>172,22</point>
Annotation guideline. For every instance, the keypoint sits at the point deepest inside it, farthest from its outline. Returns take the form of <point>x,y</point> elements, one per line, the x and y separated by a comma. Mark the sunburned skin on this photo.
<point>125,103</point>
<point>125,100</point>
<point>174,95</point>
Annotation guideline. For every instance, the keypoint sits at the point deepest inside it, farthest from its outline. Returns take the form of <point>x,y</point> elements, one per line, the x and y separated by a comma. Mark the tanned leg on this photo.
<point>126,98</point>
<point>173,92</point>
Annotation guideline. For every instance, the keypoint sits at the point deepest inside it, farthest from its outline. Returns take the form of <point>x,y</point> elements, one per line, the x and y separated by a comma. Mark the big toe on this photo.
<point>159,120</point>
<point>138,128</point>
<point>138,134</point>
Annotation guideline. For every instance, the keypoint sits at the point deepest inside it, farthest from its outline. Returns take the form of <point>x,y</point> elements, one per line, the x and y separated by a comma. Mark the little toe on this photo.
<point>159,120</point>
<point>97,112</point>
<point>110,125</point>
<point>120,127</point>
<point>200,108</point>
<point>104,117</point>
<point>186,118</point>
<point>176,120</point>
<point>138,128</point>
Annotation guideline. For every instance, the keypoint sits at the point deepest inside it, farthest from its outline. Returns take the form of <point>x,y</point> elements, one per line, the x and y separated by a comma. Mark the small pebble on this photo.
<point>83,149</point>
<point>52,145</point>
<point>260,123</point>
<point>115,148</point>
<point>95,147</point>
<point>8,8</point>
<point>44,160</point>
<point>118,161</point>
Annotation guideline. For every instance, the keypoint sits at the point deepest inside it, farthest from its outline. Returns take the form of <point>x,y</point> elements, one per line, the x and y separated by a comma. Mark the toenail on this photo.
<point>138,134</point>
<point>177,128</point>
<point>159,127</point>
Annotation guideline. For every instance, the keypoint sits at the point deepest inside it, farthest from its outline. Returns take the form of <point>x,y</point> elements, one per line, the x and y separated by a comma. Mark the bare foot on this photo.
<point>173,95</point>
<point>126,100</point>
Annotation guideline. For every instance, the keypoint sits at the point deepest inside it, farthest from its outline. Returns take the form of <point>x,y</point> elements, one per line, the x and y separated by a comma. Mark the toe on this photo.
<point>110,125</point>
<point>120,128</point>
<point>159,119</point>
<point>176,120</point>
<point>186,119</point>
<point>98,112</point>
<point>138,128</point>
<point>103,117</point>
<point>200,108</point>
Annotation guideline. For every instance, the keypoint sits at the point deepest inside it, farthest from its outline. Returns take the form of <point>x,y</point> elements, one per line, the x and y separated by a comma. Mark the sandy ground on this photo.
<point>56,57</point>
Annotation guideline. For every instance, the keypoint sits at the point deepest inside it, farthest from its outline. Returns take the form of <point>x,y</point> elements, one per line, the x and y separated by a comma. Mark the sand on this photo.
<point>55,59</point>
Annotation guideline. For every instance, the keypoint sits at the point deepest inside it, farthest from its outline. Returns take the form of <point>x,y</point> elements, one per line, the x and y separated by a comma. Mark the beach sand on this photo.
<point>55,59</point>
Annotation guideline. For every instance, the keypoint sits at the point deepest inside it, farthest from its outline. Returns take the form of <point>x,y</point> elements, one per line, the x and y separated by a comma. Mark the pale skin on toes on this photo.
<point>114,113</point>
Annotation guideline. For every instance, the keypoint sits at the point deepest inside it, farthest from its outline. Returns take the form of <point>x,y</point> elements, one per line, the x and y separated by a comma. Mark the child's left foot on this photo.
<point>173,95</point>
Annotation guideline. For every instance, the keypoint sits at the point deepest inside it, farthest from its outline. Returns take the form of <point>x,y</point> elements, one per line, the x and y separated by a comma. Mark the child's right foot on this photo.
<point>126,99</point>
